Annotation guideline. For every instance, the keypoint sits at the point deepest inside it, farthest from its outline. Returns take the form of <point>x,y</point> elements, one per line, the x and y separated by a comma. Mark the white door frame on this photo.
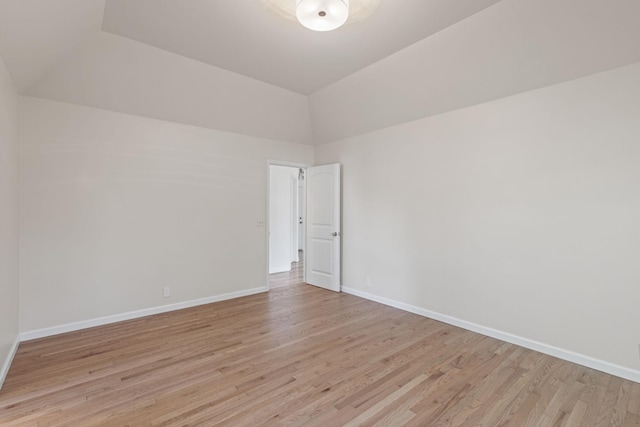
<point>267,223</point>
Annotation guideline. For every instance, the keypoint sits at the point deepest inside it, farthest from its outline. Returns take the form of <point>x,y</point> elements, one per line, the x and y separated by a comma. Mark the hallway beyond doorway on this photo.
<point>288,278</point>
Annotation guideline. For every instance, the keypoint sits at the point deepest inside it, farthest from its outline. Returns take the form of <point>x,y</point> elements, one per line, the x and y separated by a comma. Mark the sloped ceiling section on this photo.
<point>55,49</point>
<point>247,38</point>
<point>35,34</point>
<point>119,74</point>
<point>509,48</point>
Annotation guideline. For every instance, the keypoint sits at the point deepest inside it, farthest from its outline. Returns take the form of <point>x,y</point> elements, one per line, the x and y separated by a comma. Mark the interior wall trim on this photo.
<point>7,363</point>
<point>560,353</point>
<point>99,321</point>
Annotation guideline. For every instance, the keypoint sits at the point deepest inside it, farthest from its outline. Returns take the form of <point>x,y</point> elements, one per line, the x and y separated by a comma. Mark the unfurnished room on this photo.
<point>320,213</point>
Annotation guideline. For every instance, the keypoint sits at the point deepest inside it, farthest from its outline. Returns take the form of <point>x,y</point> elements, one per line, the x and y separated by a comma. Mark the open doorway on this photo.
<point>286,225</point>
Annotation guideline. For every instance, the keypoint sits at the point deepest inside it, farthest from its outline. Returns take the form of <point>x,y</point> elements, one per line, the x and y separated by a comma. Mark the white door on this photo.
<point>322,263</point>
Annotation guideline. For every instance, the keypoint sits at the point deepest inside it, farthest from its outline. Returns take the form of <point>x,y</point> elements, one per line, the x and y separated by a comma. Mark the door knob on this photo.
<point>335,233</point>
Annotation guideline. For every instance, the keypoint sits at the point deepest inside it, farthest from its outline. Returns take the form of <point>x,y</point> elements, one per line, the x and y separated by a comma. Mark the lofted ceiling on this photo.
<point>247,38</point>
<point>238,66</point>
<point>37,34</point>
<point>244,37</point>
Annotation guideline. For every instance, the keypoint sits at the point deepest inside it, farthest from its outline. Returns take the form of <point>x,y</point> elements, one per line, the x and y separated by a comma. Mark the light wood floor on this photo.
<point>288,278</point>
<point>300,355</point>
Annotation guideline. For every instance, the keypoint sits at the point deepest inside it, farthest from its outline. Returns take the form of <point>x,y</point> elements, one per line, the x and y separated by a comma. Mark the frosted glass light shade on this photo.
<point>322,15</point>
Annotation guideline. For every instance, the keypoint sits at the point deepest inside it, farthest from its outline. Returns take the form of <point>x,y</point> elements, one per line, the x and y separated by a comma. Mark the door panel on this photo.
<point>322,263</point>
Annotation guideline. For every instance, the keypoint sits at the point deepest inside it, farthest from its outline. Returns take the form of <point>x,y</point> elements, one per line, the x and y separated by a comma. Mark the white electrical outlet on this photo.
<point>367,283</point>
<point>166,292</point>
<point>261,223</point>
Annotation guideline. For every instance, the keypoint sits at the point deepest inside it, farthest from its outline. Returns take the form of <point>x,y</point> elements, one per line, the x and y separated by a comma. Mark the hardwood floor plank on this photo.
<point>632,420</point>
<point>379,406</point>
<point>576,415</point>
<point>300,355</point>
<point>634,399</point>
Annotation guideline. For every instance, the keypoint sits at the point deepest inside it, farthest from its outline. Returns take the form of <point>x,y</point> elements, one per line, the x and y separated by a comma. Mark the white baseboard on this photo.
<point>7,363</point>
<point>560,353</point>
<point>69,327</point>
<point>280,269</point>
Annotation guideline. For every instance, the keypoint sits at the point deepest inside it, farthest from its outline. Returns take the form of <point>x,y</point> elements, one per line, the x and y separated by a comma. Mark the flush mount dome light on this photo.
<point>322,15</point>
<point>358,10</point>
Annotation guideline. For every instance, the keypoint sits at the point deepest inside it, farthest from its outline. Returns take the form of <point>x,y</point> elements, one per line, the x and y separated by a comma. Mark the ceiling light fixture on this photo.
<point>358,10</point>
<point>322,15</point>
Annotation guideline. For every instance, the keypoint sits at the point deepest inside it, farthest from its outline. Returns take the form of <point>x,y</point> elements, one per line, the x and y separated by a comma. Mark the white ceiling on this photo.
<point>234,65</point>
<point>36,34</point>
<point>247,38</point>
<point>240,36</point>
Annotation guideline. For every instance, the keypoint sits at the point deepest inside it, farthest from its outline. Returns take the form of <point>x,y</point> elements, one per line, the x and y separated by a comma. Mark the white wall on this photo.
<point>119,74</point>
<point>9,284</point>
<point>282,224</point>
<point>511,47</point>
<point>520,214</point>
<point>115,207</point>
